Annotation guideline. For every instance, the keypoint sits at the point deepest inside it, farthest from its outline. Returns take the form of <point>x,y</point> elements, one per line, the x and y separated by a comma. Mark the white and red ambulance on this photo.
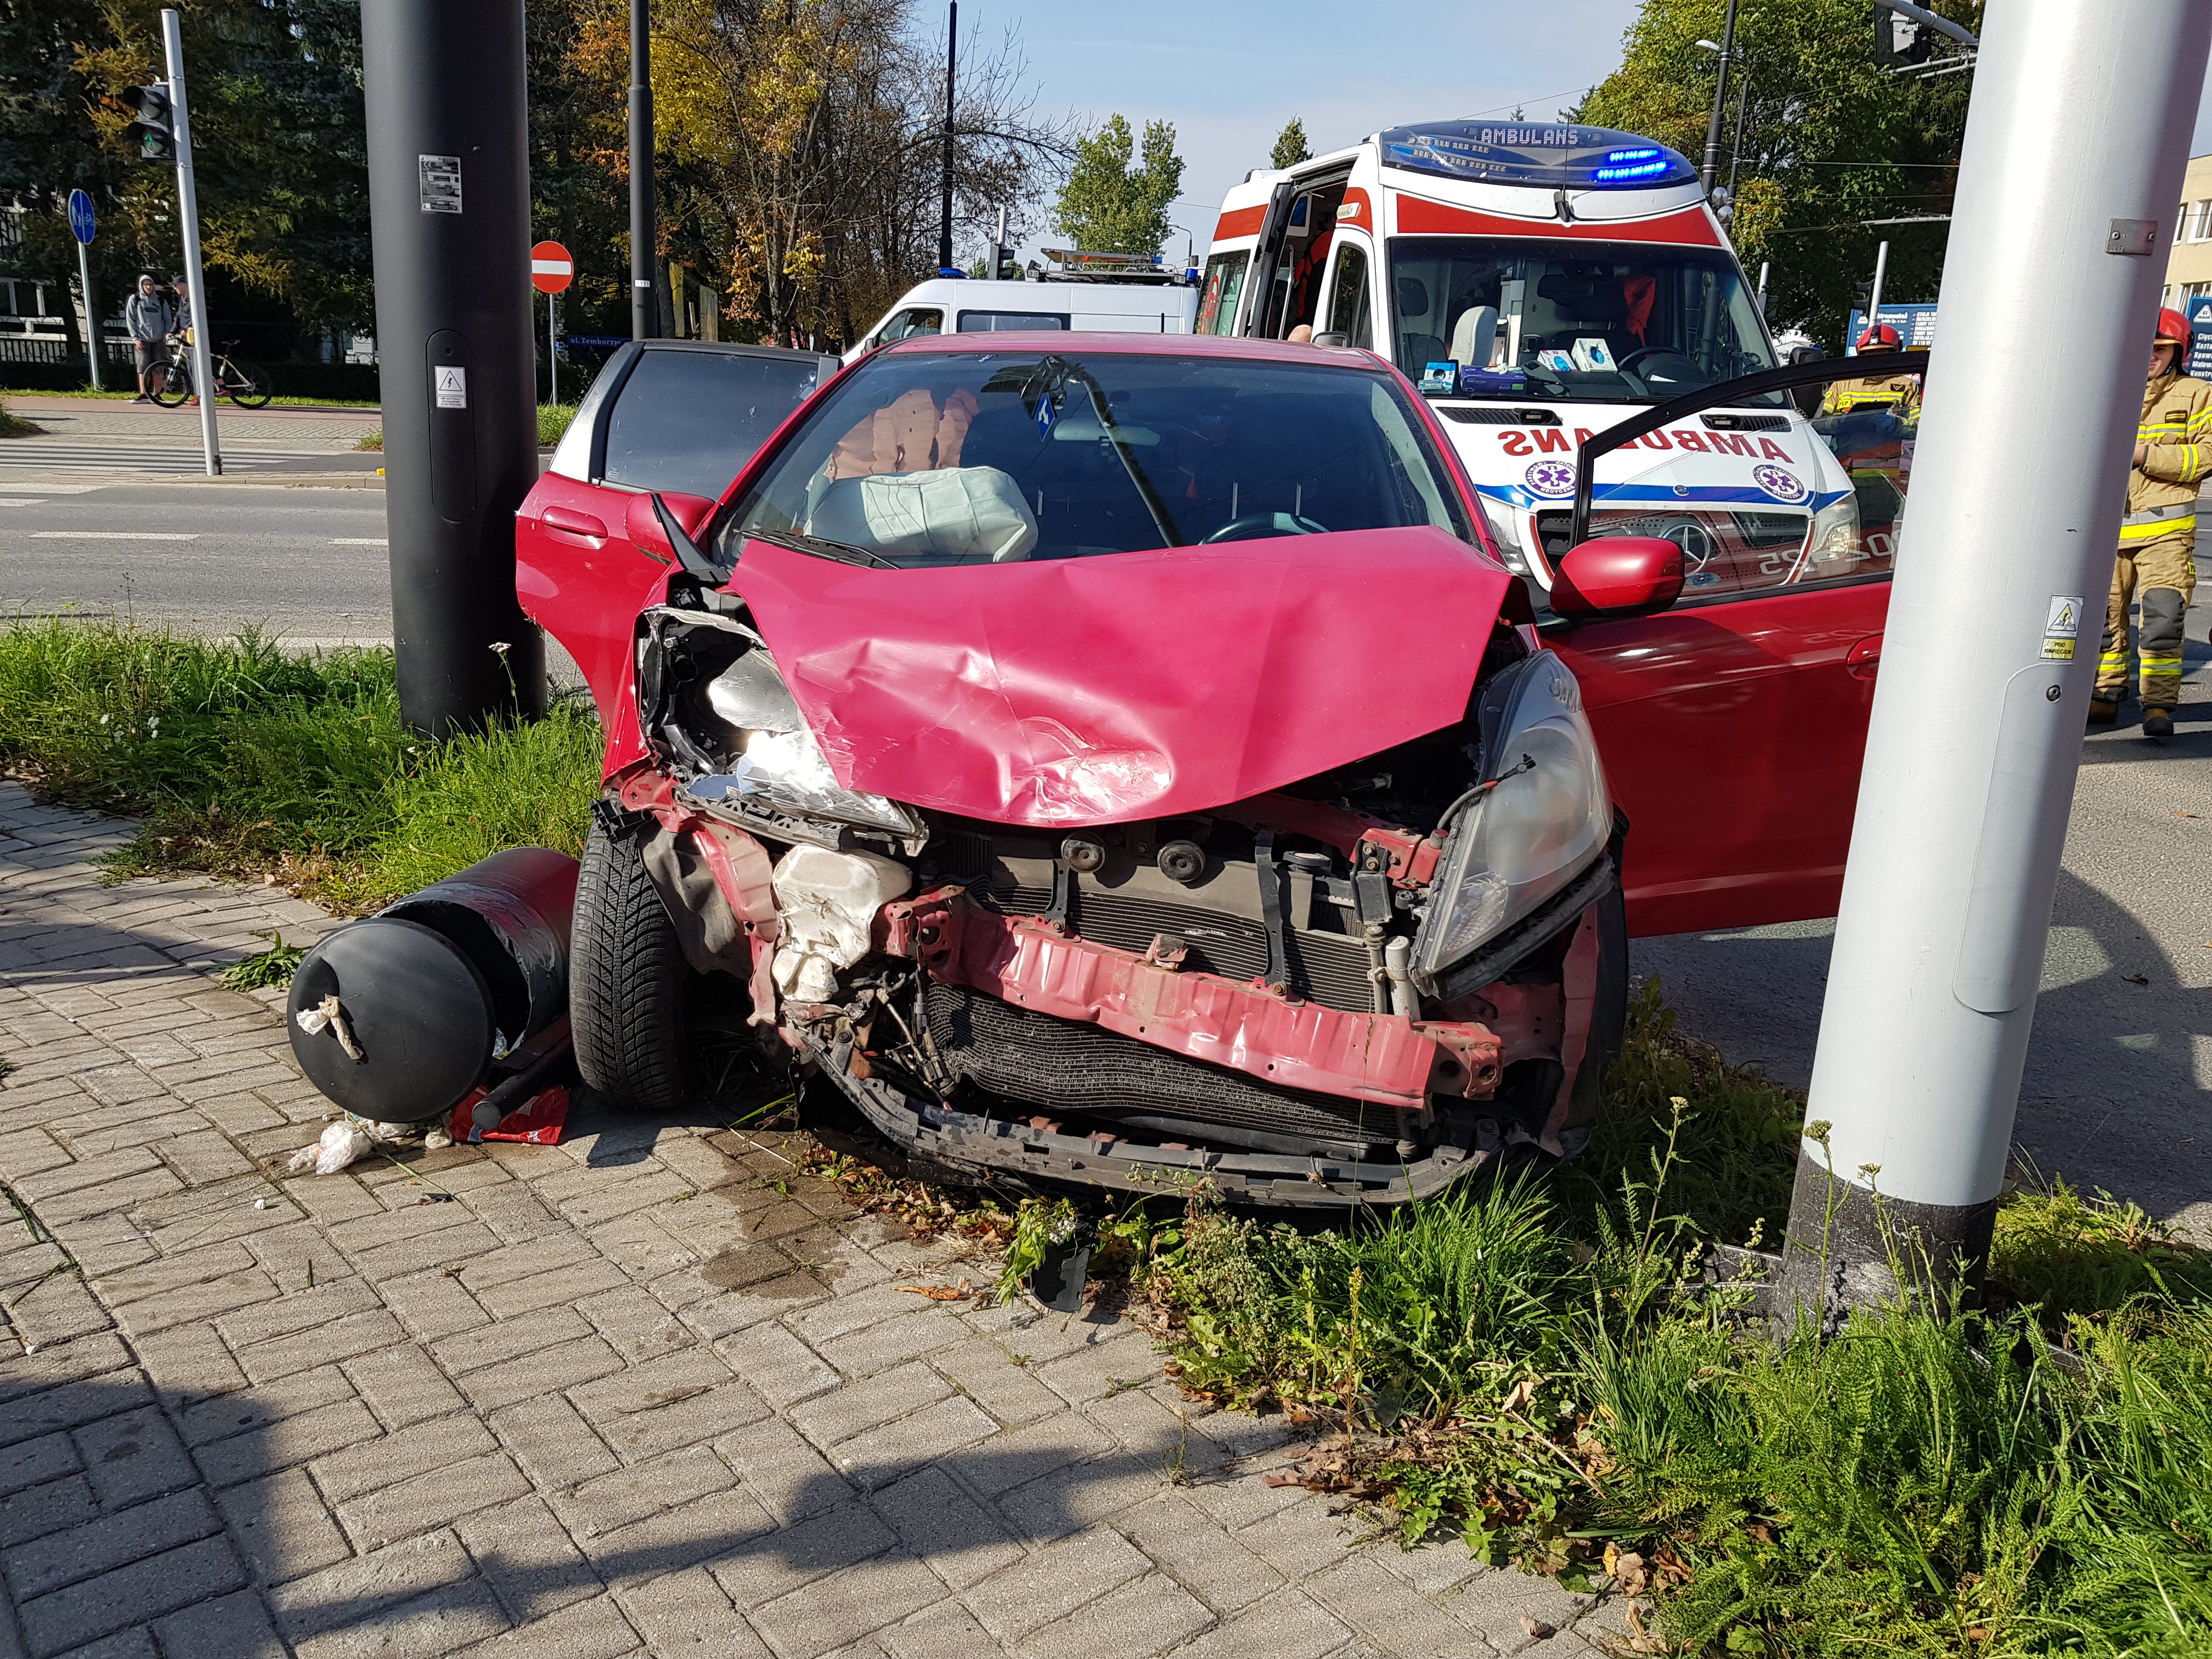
<point>1539,283</point>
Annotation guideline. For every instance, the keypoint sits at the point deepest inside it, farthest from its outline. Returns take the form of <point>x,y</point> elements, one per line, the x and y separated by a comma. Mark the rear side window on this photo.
<point>1000,322</point>
<point>1224,286</point>
<point>690,421</point>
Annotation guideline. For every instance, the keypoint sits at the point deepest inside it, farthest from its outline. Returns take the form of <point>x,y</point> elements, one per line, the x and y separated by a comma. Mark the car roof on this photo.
<point>1097,341</point>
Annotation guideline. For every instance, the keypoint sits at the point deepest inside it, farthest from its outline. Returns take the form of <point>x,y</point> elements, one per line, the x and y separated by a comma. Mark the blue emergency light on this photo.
<point>1550,155</point>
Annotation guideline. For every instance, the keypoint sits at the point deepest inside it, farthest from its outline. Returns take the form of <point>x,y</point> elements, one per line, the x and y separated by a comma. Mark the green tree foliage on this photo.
<point>1828,142</point>
<point>279,146</point>
<point>1111,206</point>
<point>1290,147</point>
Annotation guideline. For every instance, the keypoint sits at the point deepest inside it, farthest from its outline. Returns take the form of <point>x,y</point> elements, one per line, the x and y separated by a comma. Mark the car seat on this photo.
<point>1473,337</point>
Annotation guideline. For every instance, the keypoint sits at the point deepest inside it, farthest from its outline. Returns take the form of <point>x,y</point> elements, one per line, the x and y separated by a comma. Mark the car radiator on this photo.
<point>1325,968</point>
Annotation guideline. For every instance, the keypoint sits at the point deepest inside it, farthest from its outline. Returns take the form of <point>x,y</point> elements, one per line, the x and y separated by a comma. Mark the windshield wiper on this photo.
<point>823,547</point>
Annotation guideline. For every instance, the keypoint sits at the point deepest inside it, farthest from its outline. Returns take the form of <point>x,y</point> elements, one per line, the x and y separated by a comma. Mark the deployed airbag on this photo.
<point>954,515</point>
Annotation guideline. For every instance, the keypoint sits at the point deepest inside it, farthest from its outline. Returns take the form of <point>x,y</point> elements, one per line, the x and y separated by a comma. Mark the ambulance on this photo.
<point>1539,283</point>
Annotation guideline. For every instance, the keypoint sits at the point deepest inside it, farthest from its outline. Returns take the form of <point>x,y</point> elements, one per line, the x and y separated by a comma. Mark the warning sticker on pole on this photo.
<point>439,179</point>
<point>2062,628</point>
<point>452,388</point>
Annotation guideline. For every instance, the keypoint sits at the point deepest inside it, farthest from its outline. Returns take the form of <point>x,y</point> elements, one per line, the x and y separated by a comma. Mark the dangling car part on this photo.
<point>1109,761</point>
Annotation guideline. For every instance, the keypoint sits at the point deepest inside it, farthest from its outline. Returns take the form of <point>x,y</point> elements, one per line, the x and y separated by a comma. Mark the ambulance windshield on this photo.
<point>1603,322</point>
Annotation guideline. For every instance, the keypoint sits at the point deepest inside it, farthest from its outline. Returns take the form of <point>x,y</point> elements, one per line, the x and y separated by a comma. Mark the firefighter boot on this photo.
<point>2158,722</point>
<point>2104,707</point>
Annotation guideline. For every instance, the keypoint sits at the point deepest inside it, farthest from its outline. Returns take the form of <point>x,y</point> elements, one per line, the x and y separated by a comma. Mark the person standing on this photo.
<point>1899,393</point>
<point>148,317</point>
<point>2157,561</point>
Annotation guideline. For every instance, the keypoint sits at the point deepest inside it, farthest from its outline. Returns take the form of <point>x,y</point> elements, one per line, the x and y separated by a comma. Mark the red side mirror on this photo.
<point>1618,576</point>
<point>642,524</point>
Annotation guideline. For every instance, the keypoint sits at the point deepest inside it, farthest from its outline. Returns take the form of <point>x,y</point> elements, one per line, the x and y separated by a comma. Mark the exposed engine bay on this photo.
<point>1355,989</point>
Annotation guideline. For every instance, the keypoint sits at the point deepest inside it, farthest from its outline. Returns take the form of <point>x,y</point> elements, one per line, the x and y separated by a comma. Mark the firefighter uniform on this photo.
<point>1900,393</point>
<point>2158,542</point>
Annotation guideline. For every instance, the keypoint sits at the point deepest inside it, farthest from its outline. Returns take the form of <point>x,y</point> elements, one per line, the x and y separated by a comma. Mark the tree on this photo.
<point>1290,145</point>
<point>1108,205</point>
<point>800,144</point>
<point>1828,142</point>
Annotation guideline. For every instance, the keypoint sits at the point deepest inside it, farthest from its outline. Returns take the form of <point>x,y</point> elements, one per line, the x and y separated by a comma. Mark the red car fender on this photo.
<point>739,865</point>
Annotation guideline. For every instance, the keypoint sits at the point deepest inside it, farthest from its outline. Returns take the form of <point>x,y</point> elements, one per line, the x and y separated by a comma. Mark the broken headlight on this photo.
<point>1834,546</point>
<point>764,755</point>
<point>1542,813</point>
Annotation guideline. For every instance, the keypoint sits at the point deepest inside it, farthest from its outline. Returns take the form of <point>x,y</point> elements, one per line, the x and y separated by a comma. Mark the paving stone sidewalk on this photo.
<point>647,1391</point>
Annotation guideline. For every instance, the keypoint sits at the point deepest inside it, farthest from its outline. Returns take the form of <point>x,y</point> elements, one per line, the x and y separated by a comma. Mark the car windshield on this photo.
<point>1631,322</point>
<point>936,457</point>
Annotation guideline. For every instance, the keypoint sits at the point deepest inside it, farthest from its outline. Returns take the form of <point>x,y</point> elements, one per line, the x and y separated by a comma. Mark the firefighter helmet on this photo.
<point>1882,334</point>
<point>2173,328</point>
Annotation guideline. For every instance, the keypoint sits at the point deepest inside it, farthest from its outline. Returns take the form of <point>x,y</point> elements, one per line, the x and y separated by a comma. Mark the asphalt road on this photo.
<point>2118,1087</point>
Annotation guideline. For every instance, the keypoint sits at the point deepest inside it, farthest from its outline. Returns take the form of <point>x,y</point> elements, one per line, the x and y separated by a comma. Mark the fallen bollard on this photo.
<point>398,1017</point>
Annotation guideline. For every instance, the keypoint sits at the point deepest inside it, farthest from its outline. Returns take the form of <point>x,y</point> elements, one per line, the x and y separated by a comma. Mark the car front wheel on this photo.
<point>626,973</point>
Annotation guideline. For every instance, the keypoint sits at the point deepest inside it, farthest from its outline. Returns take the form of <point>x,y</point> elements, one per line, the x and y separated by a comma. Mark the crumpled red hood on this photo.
<point>1134,685</point>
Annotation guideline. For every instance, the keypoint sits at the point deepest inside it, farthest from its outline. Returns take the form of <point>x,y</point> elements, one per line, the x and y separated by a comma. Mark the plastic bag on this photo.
<point>342,1143</point>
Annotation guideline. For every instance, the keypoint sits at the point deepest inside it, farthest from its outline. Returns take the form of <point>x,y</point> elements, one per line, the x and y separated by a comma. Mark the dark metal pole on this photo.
<point>952,47</point>
<point>644,233</point>
<point>1712,164</point>
<point>449,216</point>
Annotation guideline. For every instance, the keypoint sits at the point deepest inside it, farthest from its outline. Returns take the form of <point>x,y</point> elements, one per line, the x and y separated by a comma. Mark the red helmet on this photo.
<point>2173,328</point>
<point>1882,334</point>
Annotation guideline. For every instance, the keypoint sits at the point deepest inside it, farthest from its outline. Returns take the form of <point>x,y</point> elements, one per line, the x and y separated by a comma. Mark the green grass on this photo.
<point>371,440</point>
<point>553,420</point>
<point>14,426</point>
<point>1535,1368</point>
<point>244,761</point>
<point>274,966</point>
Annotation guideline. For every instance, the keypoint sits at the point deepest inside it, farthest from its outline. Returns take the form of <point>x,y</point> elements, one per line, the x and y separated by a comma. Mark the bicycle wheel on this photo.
<point>244,383</point>
<point>171,385</point>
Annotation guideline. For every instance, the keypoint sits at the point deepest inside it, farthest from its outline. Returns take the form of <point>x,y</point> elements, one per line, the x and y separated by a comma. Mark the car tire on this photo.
<point>626,973</point>
<point>1608,1013</point>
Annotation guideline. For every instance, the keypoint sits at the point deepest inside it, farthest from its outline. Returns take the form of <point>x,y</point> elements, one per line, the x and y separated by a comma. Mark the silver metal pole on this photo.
<point>188,211</point>
<point>1763,266</point>
<point>1874,295</point>
<point>552,340</point>
<point>91,316</point>
<point>2076,142</point>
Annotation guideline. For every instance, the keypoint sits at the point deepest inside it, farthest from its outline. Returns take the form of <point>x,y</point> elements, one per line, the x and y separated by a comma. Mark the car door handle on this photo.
<point>1863,660</point>
<point>566,522</point>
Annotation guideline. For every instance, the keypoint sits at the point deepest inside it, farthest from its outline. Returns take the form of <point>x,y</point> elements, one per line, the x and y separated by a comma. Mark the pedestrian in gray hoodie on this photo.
<point>149,319</point>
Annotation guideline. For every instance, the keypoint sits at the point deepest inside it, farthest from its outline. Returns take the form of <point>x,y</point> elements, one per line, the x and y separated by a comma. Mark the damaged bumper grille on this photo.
<point>1068,1067</point>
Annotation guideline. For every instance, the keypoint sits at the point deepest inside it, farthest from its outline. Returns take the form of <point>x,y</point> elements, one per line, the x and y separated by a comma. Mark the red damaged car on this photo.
<point>1109,760</point>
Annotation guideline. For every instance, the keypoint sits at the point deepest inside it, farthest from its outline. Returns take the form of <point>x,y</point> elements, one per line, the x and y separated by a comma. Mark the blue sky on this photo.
<point>1229,73</point>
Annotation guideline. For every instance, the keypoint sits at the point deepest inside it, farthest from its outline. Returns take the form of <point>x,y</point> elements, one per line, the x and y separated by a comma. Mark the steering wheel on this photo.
<point>1641,353</point>
<point>1252,527</point>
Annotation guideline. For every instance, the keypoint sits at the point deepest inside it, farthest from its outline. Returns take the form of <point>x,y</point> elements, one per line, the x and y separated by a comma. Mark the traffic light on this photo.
<point>1002,264</point>
<point>1899,41</point>
<point>150,137</point>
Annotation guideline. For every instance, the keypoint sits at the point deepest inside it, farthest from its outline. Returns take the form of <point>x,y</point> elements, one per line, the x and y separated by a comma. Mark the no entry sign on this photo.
<point>551,270</point>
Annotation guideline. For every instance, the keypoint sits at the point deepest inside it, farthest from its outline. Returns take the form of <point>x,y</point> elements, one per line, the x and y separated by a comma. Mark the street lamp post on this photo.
<point>2076,141</point>
<point>644,233</point>
<point>1726,49</point>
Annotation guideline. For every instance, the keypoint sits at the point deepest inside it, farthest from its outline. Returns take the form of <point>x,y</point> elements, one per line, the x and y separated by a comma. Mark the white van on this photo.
<point>1539,283</point>
<point>963,305</point>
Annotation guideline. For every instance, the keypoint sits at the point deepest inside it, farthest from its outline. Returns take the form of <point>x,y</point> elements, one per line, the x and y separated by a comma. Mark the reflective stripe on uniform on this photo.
<point>2154,665</point>
<point>2156,528</point>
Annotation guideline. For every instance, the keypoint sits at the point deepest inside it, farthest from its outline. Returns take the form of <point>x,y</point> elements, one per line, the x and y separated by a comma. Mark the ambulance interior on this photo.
<point>1605,322</point>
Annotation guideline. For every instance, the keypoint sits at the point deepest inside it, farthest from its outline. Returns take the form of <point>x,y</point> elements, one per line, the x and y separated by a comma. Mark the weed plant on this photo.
<point>246,760</point>
<point>14,426</point>
<point>1538,1368</point>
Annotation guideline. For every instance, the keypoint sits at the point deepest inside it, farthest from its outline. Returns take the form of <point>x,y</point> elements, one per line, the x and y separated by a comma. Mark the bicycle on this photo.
<point>244,383</point>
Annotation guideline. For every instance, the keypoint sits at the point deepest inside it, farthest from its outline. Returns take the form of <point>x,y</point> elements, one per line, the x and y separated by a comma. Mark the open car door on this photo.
<point>679,417</point>
<point>1733,723</point>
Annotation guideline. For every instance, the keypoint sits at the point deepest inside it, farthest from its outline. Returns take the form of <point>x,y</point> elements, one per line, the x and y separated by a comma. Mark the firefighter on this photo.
<point>1900,393</point>
<point>2158,537</point>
